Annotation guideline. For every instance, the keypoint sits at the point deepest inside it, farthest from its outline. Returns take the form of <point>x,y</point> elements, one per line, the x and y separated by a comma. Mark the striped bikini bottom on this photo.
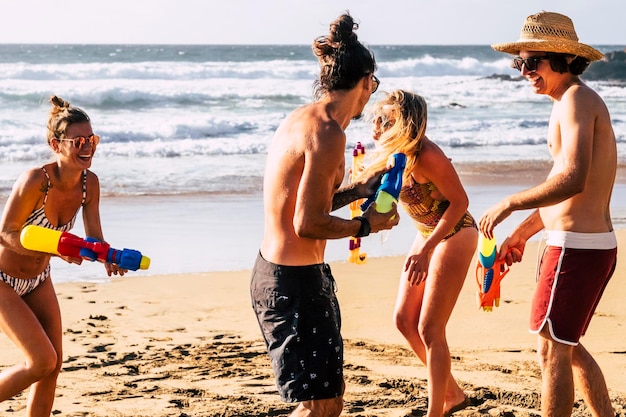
<point>23,286</point>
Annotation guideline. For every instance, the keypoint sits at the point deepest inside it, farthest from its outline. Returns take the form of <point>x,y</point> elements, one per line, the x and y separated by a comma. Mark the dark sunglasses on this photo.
<point>80,141</point>
<point>375,83</point>
<point>530,63</point>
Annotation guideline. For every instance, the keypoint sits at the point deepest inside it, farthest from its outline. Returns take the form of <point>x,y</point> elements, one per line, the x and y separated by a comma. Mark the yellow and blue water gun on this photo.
<point>489,273</point>
<point>390,185</point>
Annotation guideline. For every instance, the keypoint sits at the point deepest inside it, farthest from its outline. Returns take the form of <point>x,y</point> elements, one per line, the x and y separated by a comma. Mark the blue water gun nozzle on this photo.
<point>390,185</point>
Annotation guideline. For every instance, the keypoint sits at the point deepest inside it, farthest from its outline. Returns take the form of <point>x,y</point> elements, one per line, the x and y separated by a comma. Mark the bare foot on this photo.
<point>459,406</point>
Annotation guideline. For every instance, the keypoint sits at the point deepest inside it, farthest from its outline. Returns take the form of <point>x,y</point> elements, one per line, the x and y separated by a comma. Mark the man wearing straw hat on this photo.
<point>572,205</point>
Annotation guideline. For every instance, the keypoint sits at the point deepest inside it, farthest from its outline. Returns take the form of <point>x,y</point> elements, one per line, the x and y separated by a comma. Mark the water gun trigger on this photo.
<point>368,202</point>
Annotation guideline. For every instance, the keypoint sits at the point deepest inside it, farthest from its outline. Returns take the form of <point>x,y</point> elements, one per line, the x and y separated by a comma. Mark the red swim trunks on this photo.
<point>573,272</point>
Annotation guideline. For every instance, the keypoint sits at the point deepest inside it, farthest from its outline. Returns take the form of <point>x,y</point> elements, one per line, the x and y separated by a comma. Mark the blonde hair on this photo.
<point>408,113</point>
<point>61,116</point>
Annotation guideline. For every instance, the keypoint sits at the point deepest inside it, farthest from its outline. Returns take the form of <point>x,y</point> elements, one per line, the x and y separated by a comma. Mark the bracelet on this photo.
<point>365,228</point>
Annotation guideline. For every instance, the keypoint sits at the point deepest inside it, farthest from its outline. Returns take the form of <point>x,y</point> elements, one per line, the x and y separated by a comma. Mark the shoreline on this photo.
<point>209,233</point>
<point>196,233</point>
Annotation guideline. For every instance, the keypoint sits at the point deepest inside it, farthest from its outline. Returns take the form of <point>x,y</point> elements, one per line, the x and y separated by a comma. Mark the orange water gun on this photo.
<point>489,273</point>
<point>358,154</point>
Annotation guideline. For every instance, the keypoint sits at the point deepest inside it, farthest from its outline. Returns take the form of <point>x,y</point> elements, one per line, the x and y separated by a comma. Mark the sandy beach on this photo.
<point>185,130</point>
<point>188,345</point>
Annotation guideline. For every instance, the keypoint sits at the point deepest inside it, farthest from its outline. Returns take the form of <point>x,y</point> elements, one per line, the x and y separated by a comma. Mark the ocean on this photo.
<point>185,129</point>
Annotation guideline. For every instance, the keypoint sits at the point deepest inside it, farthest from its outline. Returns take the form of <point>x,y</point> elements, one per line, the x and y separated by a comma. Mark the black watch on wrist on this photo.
<point>365,228</point>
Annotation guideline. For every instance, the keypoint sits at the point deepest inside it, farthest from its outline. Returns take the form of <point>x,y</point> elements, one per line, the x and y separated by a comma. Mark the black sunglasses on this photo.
<point>375,83</point>
<point>530,63</point>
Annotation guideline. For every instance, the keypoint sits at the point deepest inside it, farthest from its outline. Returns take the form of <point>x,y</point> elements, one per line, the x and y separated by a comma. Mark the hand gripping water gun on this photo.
<point>390,185</point>
<point>489,273</point>
<point>41,239</point>
<point>355,242</point>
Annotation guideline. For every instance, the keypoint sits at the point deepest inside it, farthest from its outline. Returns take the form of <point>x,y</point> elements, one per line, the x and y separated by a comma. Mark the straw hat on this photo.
<point>549,32</point>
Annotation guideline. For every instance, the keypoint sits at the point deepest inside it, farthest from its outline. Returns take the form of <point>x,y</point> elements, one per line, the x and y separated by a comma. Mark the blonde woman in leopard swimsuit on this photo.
<point>438,261</point>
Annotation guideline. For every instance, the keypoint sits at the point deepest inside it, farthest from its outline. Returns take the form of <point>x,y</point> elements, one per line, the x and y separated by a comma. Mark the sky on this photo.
<point>419,22</point>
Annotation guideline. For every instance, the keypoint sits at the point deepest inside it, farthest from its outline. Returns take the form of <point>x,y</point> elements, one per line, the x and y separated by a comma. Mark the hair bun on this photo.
<point>342,31</point>
<point>57,101</point>
<point>344,61</point>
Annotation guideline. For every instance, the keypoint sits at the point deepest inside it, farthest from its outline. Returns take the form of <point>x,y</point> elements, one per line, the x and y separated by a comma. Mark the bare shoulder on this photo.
<point>313,126</point>
<point>330,135</point>
<point>92,179</point>
<point>322,122</point>
<point>31,179</point>
<point>431,154</point>
<point>28,191</point>
<point>432,164</point>
<point>93,188</point>
<point>582,106</point>
<point>583,96</point>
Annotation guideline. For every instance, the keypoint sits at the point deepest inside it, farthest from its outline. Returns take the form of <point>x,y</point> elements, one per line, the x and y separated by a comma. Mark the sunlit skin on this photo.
<point>304,170</point>
<point>541,80</point>
<point>575,197</point>
<point>576,194</point>
<point>433,273</point>
<point>33,322</point>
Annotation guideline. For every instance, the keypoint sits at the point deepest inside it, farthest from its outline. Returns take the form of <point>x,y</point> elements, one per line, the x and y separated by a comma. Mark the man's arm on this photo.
<point>323,159</point>
<point>571,127</point>
<point>354,191</point>
<point>345,195</point>
<point>512,249</point>
<point>572,123</point>
<point>312,219</point>
<point>552,191</point>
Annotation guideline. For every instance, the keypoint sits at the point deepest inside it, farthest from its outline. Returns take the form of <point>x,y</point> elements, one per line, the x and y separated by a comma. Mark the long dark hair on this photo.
<point>343,59</point>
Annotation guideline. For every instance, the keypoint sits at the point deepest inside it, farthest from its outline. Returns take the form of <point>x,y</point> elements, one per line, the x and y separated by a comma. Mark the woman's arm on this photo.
<point>25,197</point>
<point>434,165</point>
<point>91,218</point>
<point>91,208</point>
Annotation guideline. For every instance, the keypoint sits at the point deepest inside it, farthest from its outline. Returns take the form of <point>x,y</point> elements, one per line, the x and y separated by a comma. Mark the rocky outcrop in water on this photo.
<point>611,67</point>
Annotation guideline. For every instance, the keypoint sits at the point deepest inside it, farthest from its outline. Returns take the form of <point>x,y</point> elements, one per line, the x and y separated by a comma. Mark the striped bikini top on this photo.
<point>38,216</point>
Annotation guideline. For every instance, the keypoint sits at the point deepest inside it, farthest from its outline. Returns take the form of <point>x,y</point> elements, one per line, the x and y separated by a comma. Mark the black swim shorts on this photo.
<point>300,320</point>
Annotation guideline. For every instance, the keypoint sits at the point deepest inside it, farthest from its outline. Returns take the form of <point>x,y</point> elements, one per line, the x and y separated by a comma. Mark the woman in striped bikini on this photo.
<point>437,264</point>
<point>48,196</point>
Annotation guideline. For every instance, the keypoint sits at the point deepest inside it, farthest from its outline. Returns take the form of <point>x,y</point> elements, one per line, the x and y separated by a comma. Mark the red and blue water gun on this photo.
<point>41,239</point>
